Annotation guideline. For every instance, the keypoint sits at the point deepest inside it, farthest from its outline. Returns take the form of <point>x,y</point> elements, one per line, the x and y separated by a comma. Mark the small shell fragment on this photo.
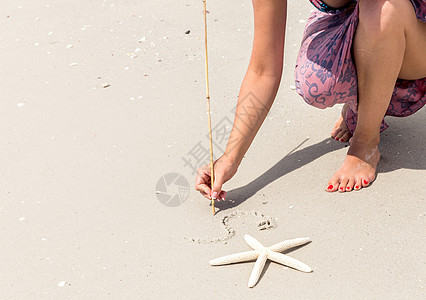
<point>61,283</point>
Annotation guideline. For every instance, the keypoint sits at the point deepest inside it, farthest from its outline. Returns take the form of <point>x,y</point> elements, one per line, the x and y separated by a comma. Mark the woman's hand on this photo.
<point>223,171</point>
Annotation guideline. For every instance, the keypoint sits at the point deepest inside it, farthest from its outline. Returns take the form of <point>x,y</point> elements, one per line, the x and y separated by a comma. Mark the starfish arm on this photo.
<point>288,261</point>
<point>252,242</point>
<point>258,267</point>
<point>235,258</point>
<point>288,244</point>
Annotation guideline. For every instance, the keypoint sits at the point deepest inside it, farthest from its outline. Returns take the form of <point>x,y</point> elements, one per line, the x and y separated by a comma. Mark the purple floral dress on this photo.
<point>325,71</point>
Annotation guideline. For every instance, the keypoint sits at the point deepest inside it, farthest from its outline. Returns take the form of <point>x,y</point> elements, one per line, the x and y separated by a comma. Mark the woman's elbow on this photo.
<point>267,70</point>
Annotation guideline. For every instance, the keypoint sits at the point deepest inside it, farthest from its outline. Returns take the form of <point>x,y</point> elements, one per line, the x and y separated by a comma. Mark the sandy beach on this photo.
<point>103,123</point>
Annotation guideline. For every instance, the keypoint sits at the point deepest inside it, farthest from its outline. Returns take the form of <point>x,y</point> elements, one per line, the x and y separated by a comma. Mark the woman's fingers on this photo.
<point>223,171</point>
<point>222,195</point>
<point>217,192</point>
<point>205,191</point>
<point>203,184</point>
<point>202,180</point>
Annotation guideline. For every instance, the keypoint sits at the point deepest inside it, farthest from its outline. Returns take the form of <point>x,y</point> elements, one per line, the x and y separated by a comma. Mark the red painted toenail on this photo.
<point>341,189</point>
<point>357,187</point>
<point>348,188</point>
<point>341,140</point>
<point>330,187</point>
<point>365,181</point>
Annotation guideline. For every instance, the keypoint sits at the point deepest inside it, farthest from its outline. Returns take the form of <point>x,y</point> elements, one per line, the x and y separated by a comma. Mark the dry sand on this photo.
<point>102,98</point>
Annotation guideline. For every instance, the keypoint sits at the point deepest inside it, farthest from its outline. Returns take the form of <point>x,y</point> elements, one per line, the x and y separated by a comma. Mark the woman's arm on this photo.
<point>261,82</point>
<point>257,92</point>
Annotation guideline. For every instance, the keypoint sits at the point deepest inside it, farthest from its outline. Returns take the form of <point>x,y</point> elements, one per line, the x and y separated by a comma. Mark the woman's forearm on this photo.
<point>260,84</point>
<point>256,96</point>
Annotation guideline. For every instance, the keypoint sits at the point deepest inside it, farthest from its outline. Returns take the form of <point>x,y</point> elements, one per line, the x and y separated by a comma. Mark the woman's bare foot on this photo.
<point>358,169</point>
<point>340,131</point>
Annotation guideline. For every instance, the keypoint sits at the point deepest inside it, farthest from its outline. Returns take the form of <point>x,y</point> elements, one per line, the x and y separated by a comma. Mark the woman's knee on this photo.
<point>381,17</point>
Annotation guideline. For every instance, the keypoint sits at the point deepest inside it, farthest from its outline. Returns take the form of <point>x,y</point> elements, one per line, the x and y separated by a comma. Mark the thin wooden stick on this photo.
<point>208,104</point>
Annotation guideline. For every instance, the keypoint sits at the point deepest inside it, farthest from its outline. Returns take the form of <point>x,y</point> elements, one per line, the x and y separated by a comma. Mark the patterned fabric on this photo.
<point>328,9</point>
<point>325,71</point>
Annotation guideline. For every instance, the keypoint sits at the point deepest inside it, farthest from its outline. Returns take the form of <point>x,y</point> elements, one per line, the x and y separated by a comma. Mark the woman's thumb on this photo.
<point>217,187</point>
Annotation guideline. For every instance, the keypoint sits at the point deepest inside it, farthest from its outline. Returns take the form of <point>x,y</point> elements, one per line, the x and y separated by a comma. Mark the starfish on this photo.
<point>262,254</point>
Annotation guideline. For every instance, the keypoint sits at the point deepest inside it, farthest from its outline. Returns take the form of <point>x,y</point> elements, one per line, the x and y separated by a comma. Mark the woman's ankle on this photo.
<point>366,137</point>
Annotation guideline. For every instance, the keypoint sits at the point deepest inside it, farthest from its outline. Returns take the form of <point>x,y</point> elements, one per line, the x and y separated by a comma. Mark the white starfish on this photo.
<point>261,254</point>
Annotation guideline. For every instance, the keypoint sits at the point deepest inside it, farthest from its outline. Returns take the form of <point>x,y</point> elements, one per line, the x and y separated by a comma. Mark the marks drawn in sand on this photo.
<point>262,222</point>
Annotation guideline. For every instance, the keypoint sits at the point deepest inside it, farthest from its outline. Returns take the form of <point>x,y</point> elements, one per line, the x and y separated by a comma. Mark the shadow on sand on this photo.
<point>402,146</point>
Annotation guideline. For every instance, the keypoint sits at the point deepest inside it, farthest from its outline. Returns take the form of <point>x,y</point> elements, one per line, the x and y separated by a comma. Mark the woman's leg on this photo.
<point>389,43</point>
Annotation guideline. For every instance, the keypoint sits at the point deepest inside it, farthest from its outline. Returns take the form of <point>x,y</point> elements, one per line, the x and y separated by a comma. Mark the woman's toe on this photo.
<point>342,185</point>
<point>346,136</point>
<point>339,135</point>
<point>350,185</point>
<point>335,132</point>
<point>358,184</point>
<point>332,186</point>
<point>365,182</point>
